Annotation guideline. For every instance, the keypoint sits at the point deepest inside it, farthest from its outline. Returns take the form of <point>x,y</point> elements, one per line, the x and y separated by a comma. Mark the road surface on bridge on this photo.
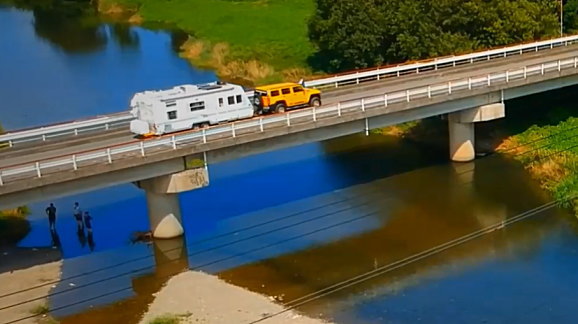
<point>71,144</point>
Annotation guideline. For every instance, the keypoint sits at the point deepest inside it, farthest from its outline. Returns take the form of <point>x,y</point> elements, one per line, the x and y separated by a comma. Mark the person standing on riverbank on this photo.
<point>77,212</point>
<point>51,212</point>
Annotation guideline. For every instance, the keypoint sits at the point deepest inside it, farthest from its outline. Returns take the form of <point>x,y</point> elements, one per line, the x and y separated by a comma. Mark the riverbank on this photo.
<point>550,155</point>
<point>250,42</point>
<point>196,297</point>
<point>13,225</point>
<point>22,269</point>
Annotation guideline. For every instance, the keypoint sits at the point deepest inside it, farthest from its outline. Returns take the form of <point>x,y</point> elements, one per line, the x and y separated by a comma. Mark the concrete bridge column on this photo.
<point>163,201</point>
<point>461,129</point>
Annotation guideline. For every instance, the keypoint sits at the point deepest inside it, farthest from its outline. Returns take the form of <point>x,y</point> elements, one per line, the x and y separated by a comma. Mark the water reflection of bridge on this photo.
<point>301,247</point>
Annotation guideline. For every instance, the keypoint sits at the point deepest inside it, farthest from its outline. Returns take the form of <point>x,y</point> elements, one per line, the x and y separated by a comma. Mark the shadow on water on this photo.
<point>167,258</point>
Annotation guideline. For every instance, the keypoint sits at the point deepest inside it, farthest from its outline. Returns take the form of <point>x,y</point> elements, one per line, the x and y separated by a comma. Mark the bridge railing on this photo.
<point>120,119</point>
<point>111,154</point>
<point>44,133</point>
<point>345,79</point>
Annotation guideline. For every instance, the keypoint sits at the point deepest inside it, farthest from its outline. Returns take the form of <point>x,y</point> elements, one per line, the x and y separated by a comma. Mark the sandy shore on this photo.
<point>203,298</point>
<point>17,274</point>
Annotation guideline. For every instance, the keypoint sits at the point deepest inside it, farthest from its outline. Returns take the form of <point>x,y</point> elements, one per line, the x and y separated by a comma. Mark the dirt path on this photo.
<point>16,274</point>
<point>203,298</point>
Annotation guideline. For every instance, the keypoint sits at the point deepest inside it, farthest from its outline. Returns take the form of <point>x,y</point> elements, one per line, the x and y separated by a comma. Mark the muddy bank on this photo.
<point>17,273</point>
<point>201,298</point>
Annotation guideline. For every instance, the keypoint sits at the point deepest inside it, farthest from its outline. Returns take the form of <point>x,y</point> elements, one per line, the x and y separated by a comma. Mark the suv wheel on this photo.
<point>315,102</point>
<point>280,108</point>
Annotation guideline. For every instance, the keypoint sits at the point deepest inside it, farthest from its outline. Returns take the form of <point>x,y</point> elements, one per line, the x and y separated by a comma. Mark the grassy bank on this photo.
<point>253,40</point>
<point>13,225</point>
<point>550,154</point>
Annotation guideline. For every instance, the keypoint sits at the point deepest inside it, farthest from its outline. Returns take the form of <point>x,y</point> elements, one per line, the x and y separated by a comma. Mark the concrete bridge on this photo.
<point>467,93</point>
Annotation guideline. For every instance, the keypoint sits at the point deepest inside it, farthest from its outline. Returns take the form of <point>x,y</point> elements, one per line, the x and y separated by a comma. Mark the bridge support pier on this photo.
<point>163,200</point>
<point>461,129</point>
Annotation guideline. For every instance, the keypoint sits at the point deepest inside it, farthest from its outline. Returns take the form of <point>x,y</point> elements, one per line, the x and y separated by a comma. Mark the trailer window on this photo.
<point>171,104</point>
<point>286,91</point>
<point>239,98</point>
<point>220,102</point>
<point>172,114</point>
<point>231,100</point>
<point>199,105</point>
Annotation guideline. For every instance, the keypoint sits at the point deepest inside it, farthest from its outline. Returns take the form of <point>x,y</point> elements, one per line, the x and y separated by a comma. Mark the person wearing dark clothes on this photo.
<point>77,212</point>
<point>51,212</point>
<point>88,222</point>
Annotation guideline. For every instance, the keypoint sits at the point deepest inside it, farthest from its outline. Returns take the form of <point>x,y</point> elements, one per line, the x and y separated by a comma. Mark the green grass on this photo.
<point>273,31</point>
<point>550,153</point>
<point>40,310</point>
<point>169,319</point>
<point>13,225</point>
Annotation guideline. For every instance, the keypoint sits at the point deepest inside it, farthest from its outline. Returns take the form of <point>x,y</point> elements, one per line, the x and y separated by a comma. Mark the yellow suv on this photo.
<point>283,96</point>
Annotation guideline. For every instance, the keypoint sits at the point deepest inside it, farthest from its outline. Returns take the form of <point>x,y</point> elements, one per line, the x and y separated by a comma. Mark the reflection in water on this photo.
<point>55,238</point>
<point>415,212</point>
<point>75,27</point>
<point>169,258</point>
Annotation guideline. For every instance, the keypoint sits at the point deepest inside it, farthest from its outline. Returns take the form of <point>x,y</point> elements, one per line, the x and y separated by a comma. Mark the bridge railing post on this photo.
<point>233,130</point>
<point>407,95</point>
<point>174,140</point>
<point>507,76</point>
<point>559,65</point>
<point>362,104</point>
<point>74,165</point>
<point>489,80</point>
<point>449,87</point>
<point>429,91</point>
<point>339,109</point>
<point>314,114</point>
<point>204,136</point>
<point>470,83</point>
<point>37,164</point>
<point>108,155</point>
<point>575,62</point>
<point>288,119</point>
<point>542,68</point>
<point>261,124</point>
<point>142,152</point>
<point>525,72</point>
<point>385,99</point>
<point>1,181</point>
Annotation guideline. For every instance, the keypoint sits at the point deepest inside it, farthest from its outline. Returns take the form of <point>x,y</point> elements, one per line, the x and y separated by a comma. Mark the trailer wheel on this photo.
<point>196,126</point>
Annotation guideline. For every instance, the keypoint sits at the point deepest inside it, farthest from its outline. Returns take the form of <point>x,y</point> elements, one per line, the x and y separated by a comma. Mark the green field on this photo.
<point>272,31</point>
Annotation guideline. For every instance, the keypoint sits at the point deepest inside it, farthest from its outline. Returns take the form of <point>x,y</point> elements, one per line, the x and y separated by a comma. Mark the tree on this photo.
<point>362,33</point>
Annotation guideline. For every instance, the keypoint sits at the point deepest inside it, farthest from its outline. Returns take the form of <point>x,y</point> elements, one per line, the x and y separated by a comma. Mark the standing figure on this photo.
<point>77,212</point>
<point>51,212</point>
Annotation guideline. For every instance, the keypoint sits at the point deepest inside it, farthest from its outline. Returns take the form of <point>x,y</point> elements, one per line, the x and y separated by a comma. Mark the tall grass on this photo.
<point>550,154</point>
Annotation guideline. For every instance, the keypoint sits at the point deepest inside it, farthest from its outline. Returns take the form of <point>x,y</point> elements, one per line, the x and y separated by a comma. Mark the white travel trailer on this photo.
<point>188,106</point>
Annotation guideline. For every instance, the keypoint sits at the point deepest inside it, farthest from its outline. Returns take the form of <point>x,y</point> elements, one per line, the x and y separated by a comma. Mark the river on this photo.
<point>286,223</point>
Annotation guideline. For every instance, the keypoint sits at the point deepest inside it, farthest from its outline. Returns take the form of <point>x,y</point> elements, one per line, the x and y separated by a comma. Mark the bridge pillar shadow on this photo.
<point>461,129</point>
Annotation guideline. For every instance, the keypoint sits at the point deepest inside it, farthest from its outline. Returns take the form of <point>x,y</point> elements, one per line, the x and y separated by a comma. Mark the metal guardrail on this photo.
<point>107,121</point>
<point>71,128</point>
<point>141,148</point>
<point>435,64</point>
